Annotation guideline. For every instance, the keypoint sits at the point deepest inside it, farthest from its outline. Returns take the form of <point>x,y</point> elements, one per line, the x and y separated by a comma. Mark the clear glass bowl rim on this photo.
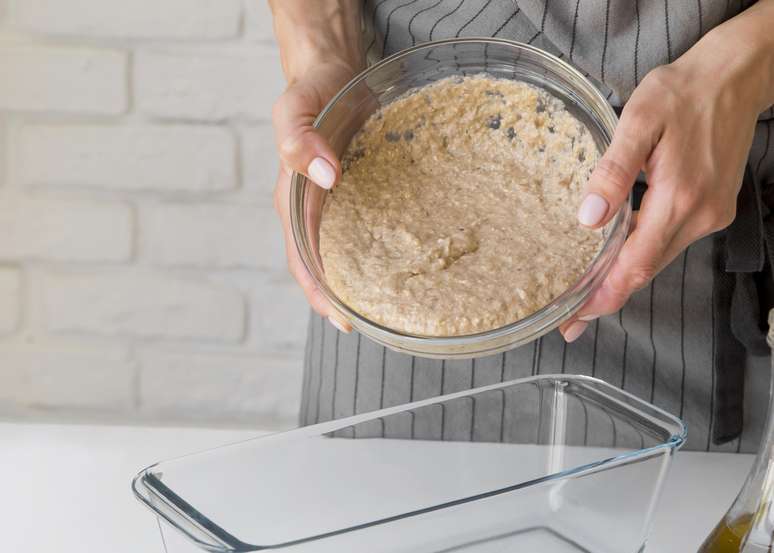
<point>542,320</point>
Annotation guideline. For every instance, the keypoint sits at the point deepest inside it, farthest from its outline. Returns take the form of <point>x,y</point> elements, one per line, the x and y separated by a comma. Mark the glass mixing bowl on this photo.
<point>415,67</point>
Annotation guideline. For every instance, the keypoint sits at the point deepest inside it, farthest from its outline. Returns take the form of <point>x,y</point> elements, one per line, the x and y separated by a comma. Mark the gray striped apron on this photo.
<point>693,342</point>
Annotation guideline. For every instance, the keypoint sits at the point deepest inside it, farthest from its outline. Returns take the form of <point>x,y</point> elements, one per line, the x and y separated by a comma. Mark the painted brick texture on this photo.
<point>153,158</point>
<point>209,86</point>
<point>63,79</point>
<point>140,19</point>
<point>142,269</point>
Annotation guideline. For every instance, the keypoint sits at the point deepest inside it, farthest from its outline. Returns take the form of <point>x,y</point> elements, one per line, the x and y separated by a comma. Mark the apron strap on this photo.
<point>745,250</point>
<point>747,253</point>
<point>741,256</point>
<point>728,354</point>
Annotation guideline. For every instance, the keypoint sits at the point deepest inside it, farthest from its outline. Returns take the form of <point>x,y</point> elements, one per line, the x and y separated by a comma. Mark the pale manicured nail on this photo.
<point>592,210</point>
<point>574,331</point>
<point>338,325</point>
<point>322,172</point>
<point>588,318</point>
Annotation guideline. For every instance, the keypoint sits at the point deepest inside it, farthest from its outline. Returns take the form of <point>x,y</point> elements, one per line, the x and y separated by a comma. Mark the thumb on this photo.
<point>301,147</point>
<point>615,173</point>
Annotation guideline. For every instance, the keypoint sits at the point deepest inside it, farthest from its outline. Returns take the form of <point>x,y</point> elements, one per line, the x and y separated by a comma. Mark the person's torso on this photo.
<point>616,42</point>
<point>673,343</point>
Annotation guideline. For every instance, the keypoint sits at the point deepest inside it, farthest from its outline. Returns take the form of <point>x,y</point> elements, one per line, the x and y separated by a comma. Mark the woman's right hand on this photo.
<point>303,150</point>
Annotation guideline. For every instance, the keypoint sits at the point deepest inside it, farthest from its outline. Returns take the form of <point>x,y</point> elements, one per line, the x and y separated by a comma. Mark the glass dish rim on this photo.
<point>542,319</point>
<point>191,517</point>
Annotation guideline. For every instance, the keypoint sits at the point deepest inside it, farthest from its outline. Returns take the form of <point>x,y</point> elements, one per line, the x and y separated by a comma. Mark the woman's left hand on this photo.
<point>689,125</point>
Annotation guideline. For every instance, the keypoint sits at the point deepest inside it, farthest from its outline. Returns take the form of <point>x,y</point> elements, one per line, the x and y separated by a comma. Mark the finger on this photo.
<point>573,328</point>
<point>286,168</point>
<point>614,175</point>
<point>313,294</point>
<point>633,223</point>
<point>648,249</point>
<point>301,147</point>
<point>643,255</point>
<point>577,331</point>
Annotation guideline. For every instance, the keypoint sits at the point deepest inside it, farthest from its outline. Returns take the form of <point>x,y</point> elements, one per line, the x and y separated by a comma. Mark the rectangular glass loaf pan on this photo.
<point>568,464</point>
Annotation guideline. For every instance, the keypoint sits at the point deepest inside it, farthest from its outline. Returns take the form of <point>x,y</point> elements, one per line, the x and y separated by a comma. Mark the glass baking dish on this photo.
<point>415,67</point>
<point>570,464</point>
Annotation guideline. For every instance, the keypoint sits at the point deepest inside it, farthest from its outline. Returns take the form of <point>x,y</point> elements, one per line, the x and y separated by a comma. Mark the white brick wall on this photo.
<point>63,79</point>
<point>211,235</point>
<point>56,379</point>
<point>260,165</point>
<point>10,300</point>
<point>248,388</point>
<point>142,273</point>
<point>206,85</point>
<point>144,305</point>
<point>279,328</point>
<point>258,22</point>
<point>166,19</point>
<point>156,158</point>
<point>64,230</point>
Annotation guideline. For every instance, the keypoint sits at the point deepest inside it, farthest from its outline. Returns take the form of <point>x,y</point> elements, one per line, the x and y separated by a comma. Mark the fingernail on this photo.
<point>338,325</point>
<point>592,210</point>
<point>322,172</point>
<point>588,318</point>
<point>574,331</point>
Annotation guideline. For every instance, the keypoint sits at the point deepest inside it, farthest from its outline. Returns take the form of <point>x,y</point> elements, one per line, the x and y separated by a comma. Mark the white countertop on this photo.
<point>66,488</point>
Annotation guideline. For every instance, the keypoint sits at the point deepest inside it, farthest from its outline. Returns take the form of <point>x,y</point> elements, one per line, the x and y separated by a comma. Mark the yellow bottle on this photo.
<point>748,526</point>
<point>727,536</point>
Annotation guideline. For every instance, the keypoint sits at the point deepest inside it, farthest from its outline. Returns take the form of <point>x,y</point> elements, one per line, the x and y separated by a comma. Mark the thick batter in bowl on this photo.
<point>391,80</point>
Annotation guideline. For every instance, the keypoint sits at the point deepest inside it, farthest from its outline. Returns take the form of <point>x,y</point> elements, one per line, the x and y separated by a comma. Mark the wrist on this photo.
<point>319,33</point>
<point>308,55</point>
<point>742,51</point>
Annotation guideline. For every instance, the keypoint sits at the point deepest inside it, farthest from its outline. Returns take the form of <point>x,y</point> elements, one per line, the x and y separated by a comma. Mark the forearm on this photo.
<point>318,31</point>
<point>742,48</point>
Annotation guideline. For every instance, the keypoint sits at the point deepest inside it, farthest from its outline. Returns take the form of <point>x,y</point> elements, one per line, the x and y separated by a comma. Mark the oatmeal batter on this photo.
<point>456,212</point>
